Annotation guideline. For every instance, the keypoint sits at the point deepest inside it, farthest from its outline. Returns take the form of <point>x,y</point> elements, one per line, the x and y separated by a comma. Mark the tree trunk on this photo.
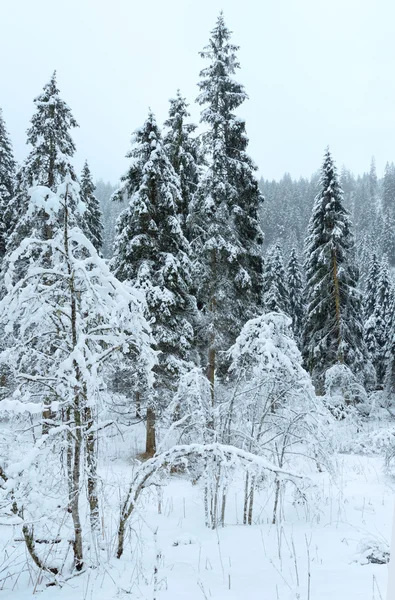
<point>74,488</point>
<point>138,405</point>
<point>245,509</point>
<point>91,460</point>
<point>121,536</point>
<point>276,499</point>
<point>251,504</point>
<point>212,341</point>
<point>75,441</point>
<point>150,442</point>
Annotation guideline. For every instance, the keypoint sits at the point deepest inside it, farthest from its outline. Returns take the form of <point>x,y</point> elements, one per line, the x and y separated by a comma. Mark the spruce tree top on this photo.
<point>275,295</point>
<point>222,95</point>
<point>218,89</point>
<point>49,134</point>
<point>92,218</point>
<point>7,184</point>
<point>7,162</point>
<point>333,329</point>
<point>150,219</point>
<point>371,287</point>
<point>329,227</point>
<point>389,188</point>
<point>296,293</point>
<point>183,151</point>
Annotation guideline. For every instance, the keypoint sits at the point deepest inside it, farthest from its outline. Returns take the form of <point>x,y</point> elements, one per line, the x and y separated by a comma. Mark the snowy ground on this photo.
<point>313,554</point>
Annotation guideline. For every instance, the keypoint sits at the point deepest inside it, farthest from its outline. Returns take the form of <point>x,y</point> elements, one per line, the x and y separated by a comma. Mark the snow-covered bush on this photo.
<point>274,411</point>
<point>343,392</point>
<point>190,415</point>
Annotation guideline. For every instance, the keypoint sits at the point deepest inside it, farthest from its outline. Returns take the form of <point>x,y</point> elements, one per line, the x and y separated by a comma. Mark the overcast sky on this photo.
<point>316,73</point>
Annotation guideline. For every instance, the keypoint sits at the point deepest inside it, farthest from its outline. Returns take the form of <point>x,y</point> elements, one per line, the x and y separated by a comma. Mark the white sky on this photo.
<point>316,72</point>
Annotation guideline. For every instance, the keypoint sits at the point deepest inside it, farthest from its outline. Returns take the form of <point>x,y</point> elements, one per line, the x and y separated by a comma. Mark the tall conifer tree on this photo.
<point>371,287</point>
<point>49,135</point>
<point>7,183</point>
<point>48,162</point>
<point>333,330</point>
<point>92,218</point>
<point>224,222</point>
<point>276,294</point>
<point>388,206</point>
<point>184,153</point>
<point>295,289</point>
<point>383,319</point>
<point>152,252</point>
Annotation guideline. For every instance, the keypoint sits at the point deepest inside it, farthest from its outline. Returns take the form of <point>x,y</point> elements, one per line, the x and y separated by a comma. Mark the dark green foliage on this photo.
<point>383,319</point>
<point>388,204</point>
<point>333,330</point>
<point>7,184</point>
<point>152,252</point>
<point>371,288</point>
<point>296,295</point>
<point>276,294</point>
<point>184,153</point>
<point>48,162</point>
<point>224,224</point>
<point>92,218</point>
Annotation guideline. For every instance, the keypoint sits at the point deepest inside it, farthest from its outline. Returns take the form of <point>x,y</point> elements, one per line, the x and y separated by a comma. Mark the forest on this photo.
<point>197,364</point>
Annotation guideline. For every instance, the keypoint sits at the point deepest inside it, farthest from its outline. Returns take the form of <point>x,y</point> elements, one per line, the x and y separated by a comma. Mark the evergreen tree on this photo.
<point>183,152</point>
<point>383,319</point>
<point>92,219</point>
<point>49,160</point>
<point>111,211</point>
<point>152,252</point>
<point>295,289</point>
<point>47,164</point>
<point>369,307</point>
<point>333,330</point>
<point>7,183</point>
<point>224,218</point>
<point>371,287</point>
<point>388,207</point>
<point>373,181</point>
<point>275,295</point>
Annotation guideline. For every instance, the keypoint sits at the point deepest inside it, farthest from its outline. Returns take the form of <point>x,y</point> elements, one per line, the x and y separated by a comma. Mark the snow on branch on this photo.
<point>229,457</point>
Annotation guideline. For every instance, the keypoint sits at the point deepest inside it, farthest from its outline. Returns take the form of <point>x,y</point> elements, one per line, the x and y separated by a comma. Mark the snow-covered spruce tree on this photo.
<point>225,233</point>
<point>383,319</point>
<point>68,318</point>
<point>371,287</point>
<point>333,330</point>
<point>48,162</point>
<point>152,252</point>
<point>388,208</point>
<point>184,153</point>
<point>275,288</point>
<point>49,135</point>
<point>110,211</point>
<point>92,219</point>
<point>7,183</point>
<point>369,307</point>
<point>296,295</point>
